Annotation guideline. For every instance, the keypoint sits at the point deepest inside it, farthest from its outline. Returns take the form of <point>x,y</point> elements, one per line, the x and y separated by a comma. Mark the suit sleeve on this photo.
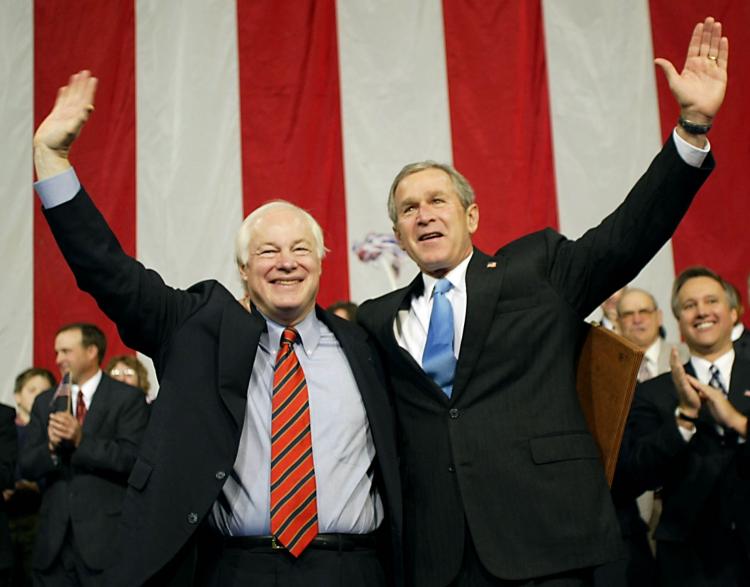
<point>8,447</point>
<point>35,458</point>
<point>116,454</point>
<point>588,270</point>
<point>144,308</point>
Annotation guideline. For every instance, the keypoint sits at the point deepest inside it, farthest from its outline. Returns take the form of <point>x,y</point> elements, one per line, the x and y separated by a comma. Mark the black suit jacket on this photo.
<point>86,486</point>
<point>510,453</point>
<point>8,456</point>
<point>702,489</point>
<point>742,344</point>
<point>203,343</point>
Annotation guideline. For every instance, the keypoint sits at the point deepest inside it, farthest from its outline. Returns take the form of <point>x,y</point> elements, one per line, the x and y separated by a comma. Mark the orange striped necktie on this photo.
<point>294,508</point>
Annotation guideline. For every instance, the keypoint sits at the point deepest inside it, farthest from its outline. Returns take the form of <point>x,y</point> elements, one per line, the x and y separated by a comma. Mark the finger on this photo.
<point>723,58</point>
<point>666,66</point>
<point>695,41</point>
<point>706,37</point>
<point>713,49</point>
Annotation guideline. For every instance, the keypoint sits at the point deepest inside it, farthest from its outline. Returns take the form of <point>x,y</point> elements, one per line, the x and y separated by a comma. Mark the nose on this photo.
<point>286,260</point>
<point>423,214</point>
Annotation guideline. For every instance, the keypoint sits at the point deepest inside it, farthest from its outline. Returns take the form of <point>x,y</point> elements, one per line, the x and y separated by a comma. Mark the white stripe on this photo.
<point>605,116</point>
<point>189,171</point>
<point>16,195</point>
<point>394,98</point>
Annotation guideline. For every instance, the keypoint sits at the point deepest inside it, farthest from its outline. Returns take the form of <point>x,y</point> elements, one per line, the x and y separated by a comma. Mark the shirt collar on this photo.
<point>457,277</point>
<point>652,353</point>
<point>308,330</point>
<point>737,331</point>
<point>88,387</point>
<point>724,363</point>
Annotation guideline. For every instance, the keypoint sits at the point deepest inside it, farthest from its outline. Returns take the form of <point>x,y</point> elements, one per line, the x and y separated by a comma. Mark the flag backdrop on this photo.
<point>207,108</point>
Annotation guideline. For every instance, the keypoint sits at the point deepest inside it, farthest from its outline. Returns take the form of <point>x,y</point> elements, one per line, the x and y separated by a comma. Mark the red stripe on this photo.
<point>500,121</point>
<point>291,120</point>
<point>70,36</point>
<point>713,232</point>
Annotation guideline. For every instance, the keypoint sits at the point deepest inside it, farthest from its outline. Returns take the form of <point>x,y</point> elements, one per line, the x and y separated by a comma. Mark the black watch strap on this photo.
<point>693,128</point>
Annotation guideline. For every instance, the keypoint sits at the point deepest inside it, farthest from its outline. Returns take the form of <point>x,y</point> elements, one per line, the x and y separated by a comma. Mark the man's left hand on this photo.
<point>66,427</point>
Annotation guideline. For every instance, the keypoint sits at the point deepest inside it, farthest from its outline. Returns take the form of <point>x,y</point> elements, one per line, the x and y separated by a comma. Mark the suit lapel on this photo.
<point>238,342</point>
<point>484,278</point>
<point>100,402</point>
<point>740,384</point>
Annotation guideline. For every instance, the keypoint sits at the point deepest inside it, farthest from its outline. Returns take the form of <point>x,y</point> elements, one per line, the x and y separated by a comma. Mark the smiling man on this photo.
<point>502,480</point>
<point>270,455</point>
<point>686,433</point>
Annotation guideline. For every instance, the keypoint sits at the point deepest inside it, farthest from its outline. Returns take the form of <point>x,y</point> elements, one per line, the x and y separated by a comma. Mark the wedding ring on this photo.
<point>712,57</point>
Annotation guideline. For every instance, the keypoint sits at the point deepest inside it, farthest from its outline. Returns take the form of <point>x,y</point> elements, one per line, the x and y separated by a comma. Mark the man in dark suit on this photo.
<point>207,502</point>
<point>8,456</point>
<point>685,434</point>
<point>502,479</point>
<point>83,457</point>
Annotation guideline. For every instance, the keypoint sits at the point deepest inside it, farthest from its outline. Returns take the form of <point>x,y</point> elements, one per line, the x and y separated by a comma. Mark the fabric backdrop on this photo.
<point>207,108</point>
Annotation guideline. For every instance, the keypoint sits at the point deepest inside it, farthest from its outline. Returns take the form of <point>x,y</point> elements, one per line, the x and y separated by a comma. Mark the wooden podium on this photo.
<point>607,373</point>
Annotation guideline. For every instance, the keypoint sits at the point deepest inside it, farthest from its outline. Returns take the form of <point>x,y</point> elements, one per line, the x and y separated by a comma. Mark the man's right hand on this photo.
<point>689,400</point>
<point>63,124</point>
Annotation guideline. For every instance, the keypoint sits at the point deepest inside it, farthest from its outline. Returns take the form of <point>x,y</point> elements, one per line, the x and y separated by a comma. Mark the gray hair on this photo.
<point>460,183</point>
<point>637,290</point>
<point>245,232</point>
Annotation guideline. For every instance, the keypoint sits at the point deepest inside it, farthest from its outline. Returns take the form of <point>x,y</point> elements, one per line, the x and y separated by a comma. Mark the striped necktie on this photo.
<point>715,380</point>
<point>294,508</point>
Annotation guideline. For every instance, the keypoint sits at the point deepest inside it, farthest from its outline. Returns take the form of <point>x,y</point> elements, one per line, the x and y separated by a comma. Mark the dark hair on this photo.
<point>690,273</point>
<point>133,363</point>
<point>91,335</point>
<point>23,377</point>
<point>349,308</point>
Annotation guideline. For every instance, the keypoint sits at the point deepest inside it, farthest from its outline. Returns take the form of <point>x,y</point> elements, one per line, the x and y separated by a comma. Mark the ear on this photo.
<point>397,234</point>
<point>733,316</point>
<point>660,317</point>
<point>472,218</point>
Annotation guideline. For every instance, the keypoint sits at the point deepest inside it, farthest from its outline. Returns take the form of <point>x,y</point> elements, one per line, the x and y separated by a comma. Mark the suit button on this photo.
<point>192,518</point>
<point>453,413</point>
<point>220,475</point>
<point>451,468</point>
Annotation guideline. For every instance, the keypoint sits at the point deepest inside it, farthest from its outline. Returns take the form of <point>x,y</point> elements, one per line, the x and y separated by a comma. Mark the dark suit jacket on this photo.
<point>8,456</point>
<point>510,453</point>
<point>86,486</point>
<point>702,492</point>
<point>742,344</point>
<point>203,344</point>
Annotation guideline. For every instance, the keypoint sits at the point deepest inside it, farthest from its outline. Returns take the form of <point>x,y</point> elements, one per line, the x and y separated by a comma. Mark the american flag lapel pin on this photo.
<point>491,264</point>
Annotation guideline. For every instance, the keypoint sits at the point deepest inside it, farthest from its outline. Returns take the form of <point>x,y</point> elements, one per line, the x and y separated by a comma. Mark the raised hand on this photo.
<point>689,399</point>
<point>720,407</point>
<point>699,89</point>
<point>63,124</point>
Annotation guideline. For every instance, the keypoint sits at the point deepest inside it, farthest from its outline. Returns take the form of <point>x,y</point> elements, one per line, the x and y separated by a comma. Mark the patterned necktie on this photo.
<point>80,408</point>
<point>716,381</point>
<point>294,507</point>
<point>644,373</point>
<point>438,360</point>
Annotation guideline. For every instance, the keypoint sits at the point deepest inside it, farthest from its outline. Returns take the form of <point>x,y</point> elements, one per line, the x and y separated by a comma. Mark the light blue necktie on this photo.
<point>716,381</point>
<point>438,360</point>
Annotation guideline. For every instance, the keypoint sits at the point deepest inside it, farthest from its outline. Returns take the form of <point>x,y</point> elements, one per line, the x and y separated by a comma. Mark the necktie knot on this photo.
<point>442,286</point>
<point>289,336</point>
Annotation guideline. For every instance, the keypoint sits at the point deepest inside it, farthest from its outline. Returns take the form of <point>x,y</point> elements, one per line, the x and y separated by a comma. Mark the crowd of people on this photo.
<point>436,441</point>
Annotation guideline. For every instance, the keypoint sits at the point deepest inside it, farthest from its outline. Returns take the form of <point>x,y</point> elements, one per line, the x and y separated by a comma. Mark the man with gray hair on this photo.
<point>270,455</point>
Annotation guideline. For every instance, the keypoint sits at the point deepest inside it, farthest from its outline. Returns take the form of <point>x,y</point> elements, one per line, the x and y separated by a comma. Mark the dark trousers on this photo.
<point>68,568</point>
<point>231,566</point>
<point>719,562</point>
<point>474,574</point>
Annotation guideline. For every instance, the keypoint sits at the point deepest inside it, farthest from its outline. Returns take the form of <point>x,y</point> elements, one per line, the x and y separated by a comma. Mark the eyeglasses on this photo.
<point>127,372</point>
<point>642,313</point>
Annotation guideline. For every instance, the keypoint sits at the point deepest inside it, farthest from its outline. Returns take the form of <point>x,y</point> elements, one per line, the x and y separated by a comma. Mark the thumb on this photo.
<point>669,71</point>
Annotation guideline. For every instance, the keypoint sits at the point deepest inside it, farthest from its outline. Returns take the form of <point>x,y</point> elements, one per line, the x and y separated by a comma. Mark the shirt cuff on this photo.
<point>687,434</point>
<point>58,189</point>
<point>690,154</point>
